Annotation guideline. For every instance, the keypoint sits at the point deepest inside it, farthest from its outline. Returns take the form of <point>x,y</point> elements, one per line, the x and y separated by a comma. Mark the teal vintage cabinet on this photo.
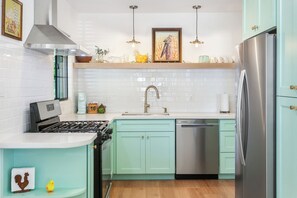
<point>70,168</point>
<point>145,147</point>
<point>286,111</point>
<point>258,16</point>
<point>287,48</point>
<point>286,147</point>
<point>160,155</point>
<point>227,149</point>
<point>130,152</point>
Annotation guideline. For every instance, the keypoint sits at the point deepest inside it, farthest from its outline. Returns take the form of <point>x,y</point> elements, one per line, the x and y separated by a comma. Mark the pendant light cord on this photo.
<point>133,25</point>
<point>197,23</point>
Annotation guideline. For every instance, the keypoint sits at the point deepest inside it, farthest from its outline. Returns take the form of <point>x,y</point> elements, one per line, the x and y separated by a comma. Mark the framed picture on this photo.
<point>12,19</point>
<point>167,45</point>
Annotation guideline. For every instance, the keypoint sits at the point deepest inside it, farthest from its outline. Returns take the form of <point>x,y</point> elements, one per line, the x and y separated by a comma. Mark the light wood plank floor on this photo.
<point>173,189</point>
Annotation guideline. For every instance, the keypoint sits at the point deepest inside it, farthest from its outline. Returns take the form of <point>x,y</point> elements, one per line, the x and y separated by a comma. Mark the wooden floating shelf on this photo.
<point>154,65</point>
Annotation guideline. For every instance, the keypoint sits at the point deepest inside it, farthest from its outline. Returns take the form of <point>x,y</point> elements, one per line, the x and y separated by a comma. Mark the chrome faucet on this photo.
<point>146,105</point>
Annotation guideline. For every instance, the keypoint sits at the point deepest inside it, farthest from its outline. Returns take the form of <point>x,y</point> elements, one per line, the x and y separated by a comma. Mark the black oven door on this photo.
<point>106,167</point>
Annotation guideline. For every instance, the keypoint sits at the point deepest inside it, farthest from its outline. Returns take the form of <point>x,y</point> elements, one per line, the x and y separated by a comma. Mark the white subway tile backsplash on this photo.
<point>180,90</point>
<point>25,76</point>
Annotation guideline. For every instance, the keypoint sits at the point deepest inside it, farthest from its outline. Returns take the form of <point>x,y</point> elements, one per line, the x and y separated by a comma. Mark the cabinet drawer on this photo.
<point>227,125</point>
<point>146,125</point>
<point>227,163</point>
<point>227,142</point>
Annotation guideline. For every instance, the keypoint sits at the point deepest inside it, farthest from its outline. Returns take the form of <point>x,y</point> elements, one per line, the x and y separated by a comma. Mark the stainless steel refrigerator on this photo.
<point>255,119</point>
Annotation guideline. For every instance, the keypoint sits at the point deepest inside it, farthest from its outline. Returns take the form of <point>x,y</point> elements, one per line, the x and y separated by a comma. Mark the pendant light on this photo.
<point>196,42</point>
<point>133,42</point>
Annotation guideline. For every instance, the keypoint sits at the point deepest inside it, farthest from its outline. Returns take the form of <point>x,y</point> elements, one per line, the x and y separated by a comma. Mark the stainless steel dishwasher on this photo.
<point>197,149</point>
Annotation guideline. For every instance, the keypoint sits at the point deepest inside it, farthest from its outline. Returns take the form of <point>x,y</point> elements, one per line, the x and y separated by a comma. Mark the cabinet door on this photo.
<point>250,17</point>
<point>130,153</point>
<point>258,16</point>
<point>267,15</point>
<point>227,125</point>
<point>287,47</point>
<point>160,152</point>
<point>227,142</point>
<point>227,163</point>
<point>286,147</point>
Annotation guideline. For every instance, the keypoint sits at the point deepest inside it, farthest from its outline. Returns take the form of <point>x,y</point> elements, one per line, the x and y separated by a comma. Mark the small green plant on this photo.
<point>101,51</point>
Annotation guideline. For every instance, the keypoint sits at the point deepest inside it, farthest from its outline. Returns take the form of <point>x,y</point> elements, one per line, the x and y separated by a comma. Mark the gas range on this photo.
<point>76,127</point>
<point>45,119</point>
<point>99,127</point>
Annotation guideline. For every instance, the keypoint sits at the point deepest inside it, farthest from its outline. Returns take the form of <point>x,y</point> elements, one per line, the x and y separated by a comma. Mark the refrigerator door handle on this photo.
<point>238,113</point>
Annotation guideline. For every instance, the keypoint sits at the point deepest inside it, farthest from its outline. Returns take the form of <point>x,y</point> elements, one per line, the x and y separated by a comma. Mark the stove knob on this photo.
<point>104,137</point>
<point>108,131</point>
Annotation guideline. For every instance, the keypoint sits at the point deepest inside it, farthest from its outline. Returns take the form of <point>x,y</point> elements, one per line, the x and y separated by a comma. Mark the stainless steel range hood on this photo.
<point>46,37</point>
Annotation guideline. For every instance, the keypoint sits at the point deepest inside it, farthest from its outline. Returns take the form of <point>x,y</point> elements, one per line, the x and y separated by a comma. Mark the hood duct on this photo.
<point>46,37</point>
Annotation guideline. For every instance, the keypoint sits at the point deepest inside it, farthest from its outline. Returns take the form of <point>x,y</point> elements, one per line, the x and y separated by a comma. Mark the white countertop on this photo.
<point>46,140</point>
<point>69,140</point>
<point>119,116</point>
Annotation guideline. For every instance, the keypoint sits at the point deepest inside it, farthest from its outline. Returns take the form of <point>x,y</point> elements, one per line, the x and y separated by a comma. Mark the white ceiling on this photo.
<point>154,6</point>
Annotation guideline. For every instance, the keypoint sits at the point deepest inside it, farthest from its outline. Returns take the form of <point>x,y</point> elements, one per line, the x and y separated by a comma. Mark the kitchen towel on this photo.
<point>224,107</point>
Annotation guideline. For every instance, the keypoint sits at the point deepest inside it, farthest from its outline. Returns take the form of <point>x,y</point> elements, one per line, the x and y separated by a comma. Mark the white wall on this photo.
<point>221,32</point>
<point>181,90</point>
<point>25,76</point>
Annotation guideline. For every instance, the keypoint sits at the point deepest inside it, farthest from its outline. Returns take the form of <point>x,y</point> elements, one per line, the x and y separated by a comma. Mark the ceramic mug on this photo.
<point>221,60</point>
<point>204,59</point>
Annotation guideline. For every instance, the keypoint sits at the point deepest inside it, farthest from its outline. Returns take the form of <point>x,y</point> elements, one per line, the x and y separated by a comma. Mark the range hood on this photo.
<point>46,37</point>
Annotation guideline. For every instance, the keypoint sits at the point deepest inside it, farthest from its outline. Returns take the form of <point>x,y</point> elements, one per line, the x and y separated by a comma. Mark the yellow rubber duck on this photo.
<point>50,186</point>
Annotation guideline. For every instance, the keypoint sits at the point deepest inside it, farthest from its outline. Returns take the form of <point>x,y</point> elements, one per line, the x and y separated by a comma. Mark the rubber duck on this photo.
<point>50,186</point>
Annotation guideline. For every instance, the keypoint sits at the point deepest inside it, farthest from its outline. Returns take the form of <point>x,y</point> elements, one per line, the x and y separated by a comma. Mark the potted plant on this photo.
<point>100,53</point>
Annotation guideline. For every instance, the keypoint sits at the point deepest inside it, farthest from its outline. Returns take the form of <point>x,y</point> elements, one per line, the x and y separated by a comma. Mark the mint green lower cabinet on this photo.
<point>130,153</point>
<point>160,153</point>
<point>227,163</point>
<point>145,149</point>
<point>227,149</point>
<point>286,147</point>
<point>71,169</point>
<point>227,142</point>
<point>90,159</point>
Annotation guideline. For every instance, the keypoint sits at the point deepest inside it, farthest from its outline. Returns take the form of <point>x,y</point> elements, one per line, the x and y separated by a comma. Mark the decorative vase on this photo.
<point>99,58</point>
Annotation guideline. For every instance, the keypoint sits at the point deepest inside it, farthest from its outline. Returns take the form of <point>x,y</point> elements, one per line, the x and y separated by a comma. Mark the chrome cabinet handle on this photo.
<point>142,137</point>
<point>293,87</point>
<point>255,27</point>
<point>294,108</point>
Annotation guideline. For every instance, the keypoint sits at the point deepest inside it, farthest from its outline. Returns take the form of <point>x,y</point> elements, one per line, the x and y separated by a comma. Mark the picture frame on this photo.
<point>167,45</point>
<point>12,19</point>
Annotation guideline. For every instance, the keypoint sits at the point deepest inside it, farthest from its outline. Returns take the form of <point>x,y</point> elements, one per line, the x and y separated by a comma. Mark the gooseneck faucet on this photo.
<point>146,105</point>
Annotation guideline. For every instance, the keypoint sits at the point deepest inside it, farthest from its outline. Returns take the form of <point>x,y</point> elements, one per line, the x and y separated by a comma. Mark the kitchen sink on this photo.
<point>144,114</point>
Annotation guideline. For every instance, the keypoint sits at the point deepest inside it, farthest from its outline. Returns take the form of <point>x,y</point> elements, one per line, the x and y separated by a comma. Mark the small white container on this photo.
<point>224,107</point>
<point>81,103</point>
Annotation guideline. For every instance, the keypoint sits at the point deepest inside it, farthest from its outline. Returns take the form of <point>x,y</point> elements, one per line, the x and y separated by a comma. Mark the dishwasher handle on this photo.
<point>196,125</point>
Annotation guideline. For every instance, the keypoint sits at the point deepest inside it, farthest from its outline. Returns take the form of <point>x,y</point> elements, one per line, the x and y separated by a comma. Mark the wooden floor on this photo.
<point>173,189</point>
